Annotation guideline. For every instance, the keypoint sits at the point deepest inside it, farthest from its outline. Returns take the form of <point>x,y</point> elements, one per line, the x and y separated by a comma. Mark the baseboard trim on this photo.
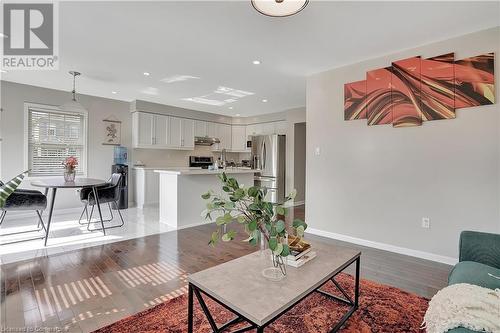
<point>384,246</point>
<point>175,227</point>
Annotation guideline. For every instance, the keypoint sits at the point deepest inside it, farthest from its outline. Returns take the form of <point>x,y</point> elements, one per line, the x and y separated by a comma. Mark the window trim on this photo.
<point>53,109</point>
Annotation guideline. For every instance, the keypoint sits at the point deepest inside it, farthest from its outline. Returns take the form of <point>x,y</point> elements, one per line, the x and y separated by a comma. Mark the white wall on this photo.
<point>100,157</point>
<point>376,183</point>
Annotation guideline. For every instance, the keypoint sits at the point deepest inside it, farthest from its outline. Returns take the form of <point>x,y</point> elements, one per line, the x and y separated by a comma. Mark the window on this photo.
<point>54,135</point>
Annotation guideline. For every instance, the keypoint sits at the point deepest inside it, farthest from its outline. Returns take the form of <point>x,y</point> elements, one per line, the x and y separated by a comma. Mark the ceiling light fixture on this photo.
<point>256,62</point>
<point>114,92</point>
<point>264,101</point>
<point>146,74</point>
<point>230,108</point>
<point>237,115</point>
<point>279,8</point>
<point>73,105</point>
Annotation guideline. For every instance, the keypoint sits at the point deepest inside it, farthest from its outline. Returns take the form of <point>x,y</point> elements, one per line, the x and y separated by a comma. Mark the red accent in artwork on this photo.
<point>405,95</point>
<point>475,81</point>
<point>355,100</point>
<point>438,92</point>
<point>378,94</point>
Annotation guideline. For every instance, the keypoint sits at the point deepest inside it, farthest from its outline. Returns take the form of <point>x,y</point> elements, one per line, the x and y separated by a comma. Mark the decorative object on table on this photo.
<point>112,131</point>
<point>70,164</point>
<point>300,251</point>
<point>8,188</point>
<point>263,221</point>
<point>73,105</point>
<point>279,8</point>
<point>415,90</point>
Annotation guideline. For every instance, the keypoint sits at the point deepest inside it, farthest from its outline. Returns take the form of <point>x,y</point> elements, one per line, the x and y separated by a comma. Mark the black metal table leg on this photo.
<point>51,210</point>
<point>356,287</point>
<point>190,309</point>
<point>96,198</point>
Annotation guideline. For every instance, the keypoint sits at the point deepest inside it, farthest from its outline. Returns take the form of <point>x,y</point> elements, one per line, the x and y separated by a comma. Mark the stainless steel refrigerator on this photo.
<point>268,156</point>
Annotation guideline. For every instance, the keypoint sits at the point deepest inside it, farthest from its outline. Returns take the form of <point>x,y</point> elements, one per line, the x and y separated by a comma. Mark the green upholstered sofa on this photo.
<point>479,256</point>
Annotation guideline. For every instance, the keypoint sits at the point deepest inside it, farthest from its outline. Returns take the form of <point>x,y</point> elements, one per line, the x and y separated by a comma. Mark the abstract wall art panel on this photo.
<point>437,89</point>
<point>355,100</point>
<point>475,81</point>
<point>405,93</point>
<point>378,96</point>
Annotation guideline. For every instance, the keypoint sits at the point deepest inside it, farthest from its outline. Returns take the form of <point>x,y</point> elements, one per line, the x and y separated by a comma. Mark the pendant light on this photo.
<point>279,8</point>
<point>73,105</point>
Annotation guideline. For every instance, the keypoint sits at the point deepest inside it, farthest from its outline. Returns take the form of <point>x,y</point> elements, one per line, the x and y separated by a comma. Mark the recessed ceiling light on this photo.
<point>146,74</point>
<point>237,115</point>
<point>230,108</point>
<point>264,101</point>
<point>113,92</point>
<point>256,62</point>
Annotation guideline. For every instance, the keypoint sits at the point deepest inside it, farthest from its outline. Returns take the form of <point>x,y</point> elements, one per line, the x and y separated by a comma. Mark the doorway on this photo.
<point>299,156</point>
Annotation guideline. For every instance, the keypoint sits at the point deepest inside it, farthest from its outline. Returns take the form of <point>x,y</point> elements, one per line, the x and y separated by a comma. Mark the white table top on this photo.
<point>240,284</point>
<point>60,183</point>
<point>200,171</point>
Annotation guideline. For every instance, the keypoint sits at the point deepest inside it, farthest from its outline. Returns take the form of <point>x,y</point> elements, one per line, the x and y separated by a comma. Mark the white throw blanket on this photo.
<point>465,305</point>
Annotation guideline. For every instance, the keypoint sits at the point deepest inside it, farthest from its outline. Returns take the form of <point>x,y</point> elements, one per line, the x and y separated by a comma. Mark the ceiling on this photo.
<point>114,43</point>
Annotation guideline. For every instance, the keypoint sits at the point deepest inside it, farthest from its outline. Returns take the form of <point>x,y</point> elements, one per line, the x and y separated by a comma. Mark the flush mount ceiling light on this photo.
<point>146,74</point>
<point>73,105</point>
<point>264,101</point>
<point>279,8</point>
<point>256,62</point>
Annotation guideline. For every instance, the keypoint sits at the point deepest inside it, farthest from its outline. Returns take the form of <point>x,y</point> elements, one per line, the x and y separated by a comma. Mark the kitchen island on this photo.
<point>180,190</point>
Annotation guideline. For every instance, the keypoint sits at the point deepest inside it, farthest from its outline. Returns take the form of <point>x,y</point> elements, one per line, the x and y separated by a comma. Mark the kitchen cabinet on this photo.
<point>212,130</point>
<point>200,128</point>
<point>239,138</point>
<point>149,130</point>
<point>175,132</point>
<point>143,129</point>
<point>162,132</point>
<point>223,133</point>
<point>187,134</point>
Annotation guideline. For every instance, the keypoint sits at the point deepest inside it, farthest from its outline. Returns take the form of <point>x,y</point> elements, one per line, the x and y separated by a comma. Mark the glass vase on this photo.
<point>276,264</point>
<point>69,176</point>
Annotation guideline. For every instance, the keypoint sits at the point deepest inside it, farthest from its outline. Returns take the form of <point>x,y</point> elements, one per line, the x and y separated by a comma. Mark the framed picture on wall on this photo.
<point>112,132</point>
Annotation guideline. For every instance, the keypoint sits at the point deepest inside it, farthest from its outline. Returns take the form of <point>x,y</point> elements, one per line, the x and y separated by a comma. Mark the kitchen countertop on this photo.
<point>200,171</point>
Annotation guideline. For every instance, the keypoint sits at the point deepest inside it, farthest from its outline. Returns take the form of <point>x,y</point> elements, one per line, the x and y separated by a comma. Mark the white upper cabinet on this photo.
<point>239,138</point>
<point>143,134</point>
<point>187,134</point>
<point>161,131</point>
<point>212,130</point>
<point>175,132</point>
<point>200,128</point>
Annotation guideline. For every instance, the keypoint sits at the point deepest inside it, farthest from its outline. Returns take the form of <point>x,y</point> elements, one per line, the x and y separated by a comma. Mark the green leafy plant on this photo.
<point>248,207</point>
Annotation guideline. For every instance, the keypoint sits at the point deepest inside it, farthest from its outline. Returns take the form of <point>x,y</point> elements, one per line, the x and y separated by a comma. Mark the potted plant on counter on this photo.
<point>263,221</point>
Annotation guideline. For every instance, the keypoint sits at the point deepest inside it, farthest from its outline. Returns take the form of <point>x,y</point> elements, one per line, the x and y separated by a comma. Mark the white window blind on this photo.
<point>53,136</point>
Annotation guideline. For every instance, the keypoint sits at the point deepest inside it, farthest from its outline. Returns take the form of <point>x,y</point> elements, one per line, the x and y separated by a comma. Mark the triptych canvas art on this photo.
<point>415,90</point>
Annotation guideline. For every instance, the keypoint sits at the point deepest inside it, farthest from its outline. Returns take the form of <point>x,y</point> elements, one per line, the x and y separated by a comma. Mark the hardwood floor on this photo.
<point>86,289</point>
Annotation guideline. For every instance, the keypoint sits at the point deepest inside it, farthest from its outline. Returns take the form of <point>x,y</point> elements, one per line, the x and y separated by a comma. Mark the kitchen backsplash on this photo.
<point>178,158</point>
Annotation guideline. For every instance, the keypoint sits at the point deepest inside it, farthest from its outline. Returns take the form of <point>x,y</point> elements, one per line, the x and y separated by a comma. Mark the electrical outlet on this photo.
<point>426,222</point>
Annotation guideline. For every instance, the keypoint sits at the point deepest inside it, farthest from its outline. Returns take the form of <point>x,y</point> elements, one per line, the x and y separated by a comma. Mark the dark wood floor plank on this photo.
<point>83,290</point>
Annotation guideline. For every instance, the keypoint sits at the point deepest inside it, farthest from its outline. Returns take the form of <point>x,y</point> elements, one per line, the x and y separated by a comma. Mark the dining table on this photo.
<point>59,183</point>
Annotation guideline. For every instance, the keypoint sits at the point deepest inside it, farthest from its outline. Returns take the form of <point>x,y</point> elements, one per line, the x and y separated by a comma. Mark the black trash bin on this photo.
<point>123,186</point>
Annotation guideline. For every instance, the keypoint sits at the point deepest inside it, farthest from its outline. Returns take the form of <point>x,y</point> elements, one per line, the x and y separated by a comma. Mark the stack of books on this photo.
<point>300,252</point>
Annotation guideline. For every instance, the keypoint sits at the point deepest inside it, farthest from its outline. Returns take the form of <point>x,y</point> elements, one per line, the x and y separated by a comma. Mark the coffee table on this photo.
<point>56,183</point>
<point>238,285</point>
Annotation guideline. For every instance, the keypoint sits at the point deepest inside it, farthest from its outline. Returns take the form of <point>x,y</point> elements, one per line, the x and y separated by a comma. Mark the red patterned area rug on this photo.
<point>382,309</point>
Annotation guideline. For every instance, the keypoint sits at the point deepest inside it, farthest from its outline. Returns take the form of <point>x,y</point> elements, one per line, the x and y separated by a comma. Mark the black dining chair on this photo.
<point>24,200</point>
<point>109,193</point>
